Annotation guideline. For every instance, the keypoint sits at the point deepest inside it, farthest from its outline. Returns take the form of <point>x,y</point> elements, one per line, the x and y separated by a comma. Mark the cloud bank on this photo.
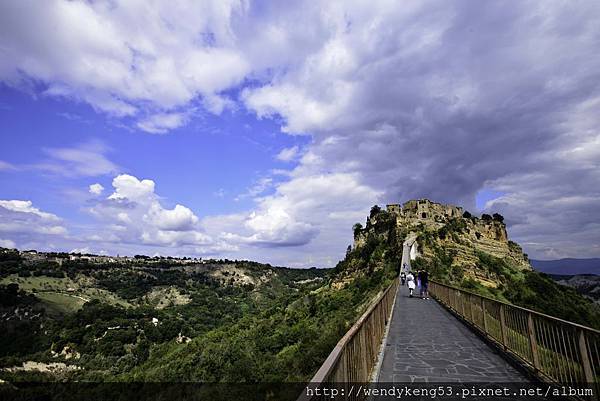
<point>402,100</point>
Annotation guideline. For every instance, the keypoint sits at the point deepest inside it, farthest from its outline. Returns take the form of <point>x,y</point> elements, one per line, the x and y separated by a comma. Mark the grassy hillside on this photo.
<point>217,321</point>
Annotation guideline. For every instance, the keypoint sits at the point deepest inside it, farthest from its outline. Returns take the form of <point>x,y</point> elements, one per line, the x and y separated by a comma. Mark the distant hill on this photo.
<point>88,318</point>
<point>586,284</point>
<point>568,266</point>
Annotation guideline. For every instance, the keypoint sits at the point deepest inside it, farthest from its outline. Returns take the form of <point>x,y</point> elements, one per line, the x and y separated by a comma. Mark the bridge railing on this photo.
<point>554,349</point>
<point>355,355</point>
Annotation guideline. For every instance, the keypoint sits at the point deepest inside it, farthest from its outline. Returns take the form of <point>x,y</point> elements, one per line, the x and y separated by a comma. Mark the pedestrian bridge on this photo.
<point>461,337</point>
<point>426,343</point>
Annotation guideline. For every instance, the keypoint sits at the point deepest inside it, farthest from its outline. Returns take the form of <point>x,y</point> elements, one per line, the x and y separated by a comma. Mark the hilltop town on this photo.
<point>443,231</point>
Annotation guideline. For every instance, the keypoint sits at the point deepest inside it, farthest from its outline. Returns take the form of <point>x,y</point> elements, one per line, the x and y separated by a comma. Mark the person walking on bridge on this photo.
<point>410,280</point>
<point>424,279</point>
<point>402,278</point>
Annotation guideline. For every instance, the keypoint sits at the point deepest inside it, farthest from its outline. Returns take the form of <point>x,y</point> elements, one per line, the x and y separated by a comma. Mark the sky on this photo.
<point>264,130</point>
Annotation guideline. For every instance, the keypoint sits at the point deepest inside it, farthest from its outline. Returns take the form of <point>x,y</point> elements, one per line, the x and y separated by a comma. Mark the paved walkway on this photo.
<point>426,343</point>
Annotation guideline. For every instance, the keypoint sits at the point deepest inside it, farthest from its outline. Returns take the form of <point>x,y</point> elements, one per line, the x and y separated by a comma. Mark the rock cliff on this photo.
<point>448,238</point>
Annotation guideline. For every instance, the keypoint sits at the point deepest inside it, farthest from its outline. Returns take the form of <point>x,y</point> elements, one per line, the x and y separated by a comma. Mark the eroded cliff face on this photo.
<point>470,252</point>
<point>448,236</point>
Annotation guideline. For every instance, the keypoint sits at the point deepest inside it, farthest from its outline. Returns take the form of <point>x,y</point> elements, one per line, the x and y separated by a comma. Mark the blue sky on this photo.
<point>486,195</point>
<point>260,130</point>
<point>218,156</point>
<point>214,164</point>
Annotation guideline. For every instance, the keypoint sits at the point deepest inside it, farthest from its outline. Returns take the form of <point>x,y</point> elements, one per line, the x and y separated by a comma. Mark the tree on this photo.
<point>486,217</point>
<point>498,217</point>
<point>356,228</point>
<point>375,210</point>
<point>467,215</point>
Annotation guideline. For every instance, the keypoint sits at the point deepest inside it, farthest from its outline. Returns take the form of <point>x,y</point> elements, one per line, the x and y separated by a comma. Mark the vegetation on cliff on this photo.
<point>228,320</point>
<point>457,251</point>
<point>526,288</point>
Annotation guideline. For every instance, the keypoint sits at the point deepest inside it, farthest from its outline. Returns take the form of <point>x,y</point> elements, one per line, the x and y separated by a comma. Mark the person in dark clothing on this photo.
<point>402,278</point>
<point>424,278</point>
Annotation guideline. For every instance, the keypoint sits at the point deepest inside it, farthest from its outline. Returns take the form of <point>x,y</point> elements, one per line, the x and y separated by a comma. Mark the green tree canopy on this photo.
<point>375,210</point>
<point>498,217</point>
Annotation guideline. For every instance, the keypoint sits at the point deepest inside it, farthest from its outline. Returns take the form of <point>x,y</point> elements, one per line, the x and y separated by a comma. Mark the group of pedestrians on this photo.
<point>421,281</point>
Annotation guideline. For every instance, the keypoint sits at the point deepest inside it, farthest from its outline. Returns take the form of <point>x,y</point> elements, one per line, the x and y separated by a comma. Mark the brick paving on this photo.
<point>426,343</point>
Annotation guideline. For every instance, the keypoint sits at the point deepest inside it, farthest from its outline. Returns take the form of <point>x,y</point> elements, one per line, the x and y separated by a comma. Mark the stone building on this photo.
<point>423,210</point>
<point>436,215</point>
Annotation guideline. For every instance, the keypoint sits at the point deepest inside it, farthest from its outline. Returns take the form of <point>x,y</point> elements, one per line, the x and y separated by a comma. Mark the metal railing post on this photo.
<point>355,354</point>
<point>533,341</point>
<point>471,308</point>
<point>559,351</point>
<point>585,358</point>
<point>503,326</point>
<point>485,328</point>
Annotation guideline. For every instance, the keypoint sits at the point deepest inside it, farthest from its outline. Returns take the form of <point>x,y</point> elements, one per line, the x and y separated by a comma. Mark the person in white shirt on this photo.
<point>410,281</point>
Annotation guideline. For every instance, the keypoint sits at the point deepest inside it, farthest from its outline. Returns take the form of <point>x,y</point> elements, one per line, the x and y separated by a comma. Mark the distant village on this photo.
<point>33,256</point>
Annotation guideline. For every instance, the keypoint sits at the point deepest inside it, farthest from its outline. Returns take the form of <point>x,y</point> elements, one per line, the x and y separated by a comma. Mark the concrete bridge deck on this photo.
<point>426,343</point>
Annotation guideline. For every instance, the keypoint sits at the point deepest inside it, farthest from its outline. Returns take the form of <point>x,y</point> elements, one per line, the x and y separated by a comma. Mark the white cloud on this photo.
<point>128,187</point>
<point>83,250</point>
<point>301,110</point>
<point>84,160</point>
<point>258,188</point>
<point>288,154</point>
<point>5,166</point>
<point>26,207</point>
<point>6,243</point>
<point>123,218</point>
<point>217,249</point>
<point>179,218</point>
<point>162,123</point>
<point>175,238</point>
<point>53,230</point>
<point>216,104</point>
<point>220,193</point>
<point>298,214</point>
<point>23,220</point>
<point>273,228</point>
<point>125,57</point>
<point>398,100</point>
<point>96,189</point>
<point>396,95</point>
<point>134,214</point>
